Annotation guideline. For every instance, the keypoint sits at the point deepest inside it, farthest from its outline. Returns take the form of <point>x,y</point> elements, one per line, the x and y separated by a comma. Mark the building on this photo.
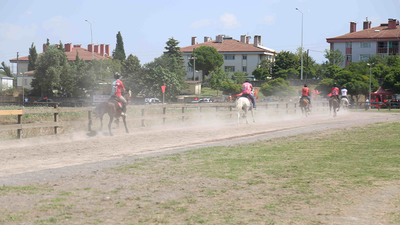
<point>239,56</point>
<point>24,78</point>
<point>361,45</point>
<point>6,82</point>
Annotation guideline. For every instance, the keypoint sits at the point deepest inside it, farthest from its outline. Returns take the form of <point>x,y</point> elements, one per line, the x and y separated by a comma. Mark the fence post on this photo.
<point>390,106</point>
<point>183,117</point>
<point>143,112</point>
<point>287,110</point>
<point>90,120</point>
<point>230,109</point>
<point>295,109</point>
<point>19,131</point>
<point>164,112</point>
<point>55,119</point>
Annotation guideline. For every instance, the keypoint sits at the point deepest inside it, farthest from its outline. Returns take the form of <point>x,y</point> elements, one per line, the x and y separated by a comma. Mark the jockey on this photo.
<point>247,88</point>
<point>116,87</point>
<point>335,92</point>
<point>344,93</point>
<point>305,94</point>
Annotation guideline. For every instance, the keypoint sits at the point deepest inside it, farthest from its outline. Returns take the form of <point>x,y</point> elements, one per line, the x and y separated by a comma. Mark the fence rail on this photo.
<point>221,109</point>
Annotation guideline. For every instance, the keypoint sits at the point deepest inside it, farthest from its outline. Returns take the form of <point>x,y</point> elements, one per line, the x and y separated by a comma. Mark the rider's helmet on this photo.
<point>344,86</point>
<point>335,85</point>
<point>117,75</point>
<point>305,85</point>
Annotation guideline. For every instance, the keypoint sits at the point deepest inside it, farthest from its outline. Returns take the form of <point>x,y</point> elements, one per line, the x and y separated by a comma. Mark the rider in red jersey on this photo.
<point>117,87</point>
<point>247,88</point>
<point>335,92</point>
<point>305,93</point>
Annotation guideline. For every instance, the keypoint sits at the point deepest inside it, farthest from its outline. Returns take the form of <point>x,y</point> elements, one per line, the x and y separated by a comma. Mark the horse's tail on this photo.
<point>239,104</point>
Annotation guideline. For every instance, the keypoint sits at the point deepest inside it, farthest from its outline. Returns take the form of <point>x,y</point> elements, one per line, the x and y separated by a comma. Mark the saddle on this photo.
<point>114,100</point>
<point>248,99</point>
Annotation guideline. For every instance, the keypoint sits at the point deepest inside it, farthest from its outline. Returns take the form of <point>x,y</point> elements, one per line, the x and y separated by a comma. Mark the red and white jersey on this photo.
<point>344,92</point>
<point>116,88</point>
<point>335,91</point>
<point>305,91</point>
<point>247,88</point>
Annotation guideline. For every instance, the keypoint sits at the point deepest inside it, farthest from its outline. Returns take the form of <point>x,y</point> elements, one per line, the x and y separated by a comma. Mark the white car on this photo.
<point>203,100</point>
<point>153,101</point>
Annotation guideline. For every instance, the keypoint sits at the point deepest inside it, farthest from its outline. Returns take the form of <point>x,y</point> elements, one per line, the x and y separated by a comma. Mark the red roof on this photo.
<point>83,54</point>
<point>382,91</point>
<point>381,32</point>
<point>229,45</point>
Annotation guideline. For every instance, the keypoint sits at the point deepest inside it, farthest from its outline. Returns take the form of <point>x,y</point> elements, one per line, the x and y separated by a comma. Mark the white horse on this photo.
<point>344,103</point>
<point>243,103</point>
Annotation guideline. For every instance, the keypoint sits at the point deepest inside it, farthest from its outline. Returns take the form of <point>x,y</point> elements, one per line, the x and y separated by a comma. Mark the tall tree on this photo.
<point>218,76</point>
<point>334,57</point>
<point>119,51</point>
<point>278,87</point>
<point>32,58</point>
<point>285,60</point>
<point>48,42</point>
<point>61,47</point>
<point>208,59</point>
<point>6,69</point>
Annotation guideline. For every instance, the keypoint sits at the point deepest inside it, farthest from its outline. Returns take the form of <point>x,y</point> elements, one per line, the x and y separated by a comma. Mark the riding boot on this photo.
<point>123,113</point>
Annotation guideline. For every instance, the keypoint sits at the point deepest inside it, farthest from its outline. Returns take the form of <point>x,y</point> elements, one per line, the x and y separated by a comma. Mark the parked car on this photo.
<point>203,100</point>
<point>269,100</point>
<point>153,101</point>
<point>48,101</point>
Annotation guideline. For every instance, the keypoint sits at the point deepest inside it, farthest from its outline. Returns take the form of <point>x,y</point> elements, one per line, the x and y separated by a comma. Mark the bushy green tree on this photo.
<point>260,74</point>
<point>133,74</point>
<point>218,76</point>
<point>355,83</point>
<point>334,57</point>
<point>277,87</point>
<point>32,58</point>
<point>285,60</point>
<point>173,50</point>
<point>392,80</point>
<point>324,86</point>
<point>6,69</point>
<point>208,59</point>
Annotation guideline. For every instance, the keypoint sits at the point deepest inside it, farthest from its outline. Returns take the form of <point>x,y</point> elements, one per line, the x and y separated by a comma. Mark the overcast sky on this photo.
<point>146,25</point>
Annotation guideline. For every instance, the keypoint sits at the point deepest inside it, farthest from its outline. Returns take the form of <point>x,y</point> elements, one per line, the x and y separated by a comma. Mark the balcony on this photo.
<point>382,50</point>
<point>393,51</point>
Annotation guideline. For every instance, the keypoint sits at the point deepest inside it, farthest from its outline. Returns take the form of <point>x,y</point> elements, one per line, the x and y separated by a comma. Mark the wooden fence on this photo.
<point>221,109</point>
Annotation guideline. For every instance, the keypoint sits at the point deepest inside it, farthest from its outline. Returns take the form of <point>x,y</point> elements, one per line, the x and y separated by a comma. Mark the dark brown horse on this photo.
<point>334,104</point>
<point>113,109</point>
<point>305,106</point>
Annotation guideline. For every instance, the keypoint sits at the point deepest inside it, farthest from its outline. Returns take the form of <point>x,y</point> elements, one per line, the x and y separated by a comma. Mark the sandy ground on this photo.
<point>51,152</point>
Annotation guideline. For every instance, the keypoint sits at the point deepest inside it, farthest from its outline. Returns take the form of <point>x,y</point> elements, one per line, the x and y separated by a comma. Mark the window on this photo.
<point>269,57</point>
<point>244,68</point>
<point>244,57</point>
<point>365,44</point>
<point>25,82</point>
<point>229,69</point>
<point>348,44</point>
<point>348,58</point>
<point>364,57</point>
<point>190,69</point>
<point>229,57</point>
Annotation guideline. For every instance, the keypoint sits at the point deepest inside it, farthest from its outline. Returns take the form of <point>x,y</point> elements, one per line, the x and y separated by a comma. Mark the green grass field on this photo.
<point>304,179</point>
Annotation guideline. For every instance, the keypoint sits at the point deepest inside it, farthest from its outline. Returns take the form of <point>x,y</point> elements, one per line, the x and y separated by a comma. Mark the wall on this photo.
<point>357,51</point>
<point>293,82</point>
<point>342,47</point>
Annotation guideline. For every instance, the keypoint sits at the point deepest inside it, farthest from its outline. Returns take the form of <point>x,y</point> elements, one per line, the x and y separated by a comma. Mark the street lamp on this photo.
<point>370,64</point>
<point>91,34</point>
<point>301,52</point>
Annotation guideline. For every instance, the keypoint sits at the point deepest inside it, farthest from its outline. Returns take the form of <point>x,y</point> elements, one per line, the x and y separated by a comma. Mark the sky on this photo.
<point>146,26</point>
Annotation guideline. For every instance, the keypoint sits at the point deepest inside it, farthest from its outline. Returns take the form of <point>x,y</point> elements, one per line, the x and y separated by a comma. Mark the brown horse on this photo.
<point>334,103</point>
<point>305,106</point>
<point>113,109</point>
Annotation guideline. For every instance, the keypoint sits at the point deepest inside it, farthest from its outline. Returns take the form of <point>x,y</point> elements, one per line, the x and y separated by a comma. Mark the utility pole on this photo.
<point>307,66</point>
<point>194,63</point>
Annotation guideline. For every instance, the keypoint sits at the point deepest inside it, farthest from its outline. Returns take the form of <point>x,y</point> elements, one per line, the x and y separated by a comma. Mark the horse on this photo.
<point>243,103</point>
<point>334,103</point>
<point>305,106</point>
<point>344,103</point>
<point>114,110</point>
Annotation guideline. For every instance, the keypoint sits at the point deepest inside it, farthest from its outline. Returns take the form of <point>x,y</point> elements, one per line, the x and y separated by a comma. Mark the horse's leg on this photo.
<point>109,123</point>
<point>126,128</point>
<point>245,115</point>
<point>238,120</point>
<point>101,123</point>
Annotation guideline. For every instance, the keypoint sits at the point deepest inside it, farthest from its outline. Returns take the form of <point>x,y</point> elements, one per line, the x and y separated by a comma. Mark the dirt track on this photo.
<point>46,158</point>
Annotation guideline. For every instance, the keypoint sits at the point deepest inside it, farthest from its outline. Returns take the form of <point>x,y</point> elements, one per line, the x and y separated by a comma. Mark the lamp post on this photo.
<point>370,64</point>
<point>91,34</point>
<point>301,52</point>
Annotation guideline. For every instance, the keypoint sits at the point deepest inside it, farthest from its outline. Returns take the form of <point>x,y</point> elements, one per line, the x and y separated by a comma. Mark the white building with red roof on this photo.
<point>239,56</point>
<point>361,45</point>
<point>24,78</point>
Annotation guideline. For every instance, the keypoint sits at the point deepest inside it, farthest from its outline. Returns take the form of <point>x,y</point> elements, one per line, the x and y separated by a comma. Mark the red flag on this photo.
<point>329,95</point>
<point>256,97</point>
<point>255,92</point>
<point>317,92</point>
<point>195,99</point>
<point>163,88</point>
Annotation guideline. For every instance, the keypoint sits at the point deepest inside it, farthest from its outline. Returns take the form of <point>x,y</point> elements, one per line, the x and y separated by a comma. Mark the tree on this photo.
<point>61,47</point>
<point>50,70</point>
<point>6,69</point>
<point>392,80</point>
<point>32,58</point>
<point>163,71</point>
<point>218,76</point>
<point>278,87</point>
<point>355,83</point>
<point>119,51</point>
<point>239,77</point>
<point>132,73</point>
<point>208,59</point>
<point>325,86</point>
<point>260,74</point>
<point>334,57</point>
<point>331,71</point>
<point>174,51</point>
<point>283,61</point>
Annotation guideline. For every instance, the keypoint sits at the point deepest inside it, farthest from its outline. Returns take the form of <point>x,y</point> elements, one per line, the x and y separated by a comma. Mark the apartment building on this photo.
<point>361,45</point>
<point>239,56</point>
<point>24,78</point>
